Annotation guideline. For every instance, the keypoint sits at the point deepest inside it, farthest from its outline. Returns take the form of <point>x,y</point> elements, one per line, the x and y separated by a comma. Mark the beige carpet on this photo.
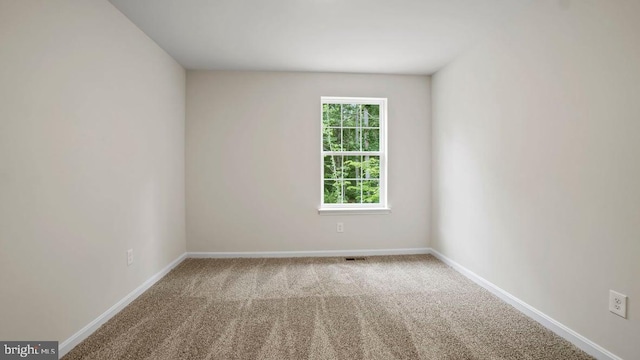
<point>394,307</point>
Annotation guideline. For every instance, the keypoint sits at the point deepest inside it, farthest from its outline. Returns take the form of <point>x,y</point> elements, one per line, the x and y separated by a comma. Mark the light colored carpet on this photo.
<point>391,307</point>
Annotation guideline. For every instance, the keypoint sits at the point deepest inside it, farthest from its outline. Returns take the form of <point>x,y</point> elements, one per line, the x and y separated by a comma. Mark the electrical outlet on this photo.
<point>618,303</point>
<point>129,257</point>
<point>340,227</point>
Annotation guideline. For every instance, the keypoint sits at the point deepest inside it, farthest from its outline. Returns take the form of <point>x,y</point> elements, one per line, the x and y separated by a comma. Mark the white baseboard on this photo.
<point>78,337</point>
<point>578,340</point>
<point>321,253</point>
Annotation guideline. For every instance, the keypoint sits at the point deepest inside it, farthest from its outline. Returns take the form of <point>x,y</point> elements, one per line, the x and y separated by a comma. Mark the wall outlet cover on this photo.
<point>618,303</point>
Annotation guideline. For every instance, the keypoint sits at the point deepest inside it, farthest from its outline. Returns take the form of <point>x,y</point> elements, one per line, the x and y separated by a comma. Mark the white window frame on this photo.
<point>352,209</point>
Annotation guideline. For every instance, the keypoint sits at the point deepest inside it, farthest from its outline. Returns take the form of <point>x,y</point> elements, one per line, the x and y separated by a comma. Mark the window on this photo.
<point>354,154</point>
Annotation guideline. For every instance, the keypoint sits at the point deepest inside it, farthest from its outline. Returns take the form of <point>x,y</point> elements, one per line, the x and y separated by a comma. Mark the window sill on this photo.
<point>354,211</point>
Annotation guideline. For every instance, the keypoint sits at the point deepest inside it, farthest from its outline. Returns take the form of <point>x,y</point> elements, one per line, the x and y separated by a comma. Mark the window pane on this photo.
<point>332,192</point>
<point>333,167</point>
<point>350,114</point>
<point>371,167</point>
<point>370,191</point>
<point>331,139</point>
<point>352,167</point>
<point>371,140</point>
<point>352,191</point>
<point>371,115</point>
<point>331,115</point>
<point>349,128</point>
<point>351,138</point>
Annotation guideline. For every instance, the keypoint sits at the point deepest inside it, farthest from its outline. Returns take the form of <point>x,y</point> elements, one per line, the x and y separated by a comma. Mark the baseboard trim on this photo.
<point>578,340</point>
<point>78,337</point>
<point>320,253</point>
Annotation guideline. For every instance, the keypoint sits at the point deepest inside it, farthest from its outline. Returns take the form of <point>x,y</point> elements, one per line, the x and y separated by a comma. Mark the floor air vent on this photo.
<point>355,259</point>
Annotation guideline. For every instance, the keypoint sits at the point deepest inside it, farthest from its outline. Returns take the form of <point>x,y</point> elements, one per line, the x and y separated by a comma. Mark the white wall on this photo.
<point>536,172</point>
<point>91,163</point>
<point>253,162</point>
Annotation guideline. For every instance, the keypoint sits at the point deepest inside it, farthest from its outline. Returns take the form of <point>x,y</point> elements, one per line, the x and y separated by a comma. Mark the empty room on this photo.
<point>320,179</point>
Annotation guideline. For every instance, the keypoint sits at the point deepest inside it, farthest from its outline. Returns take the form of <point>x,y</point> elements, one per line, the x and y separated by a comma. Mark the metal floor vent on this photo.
<point>355,258</point>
